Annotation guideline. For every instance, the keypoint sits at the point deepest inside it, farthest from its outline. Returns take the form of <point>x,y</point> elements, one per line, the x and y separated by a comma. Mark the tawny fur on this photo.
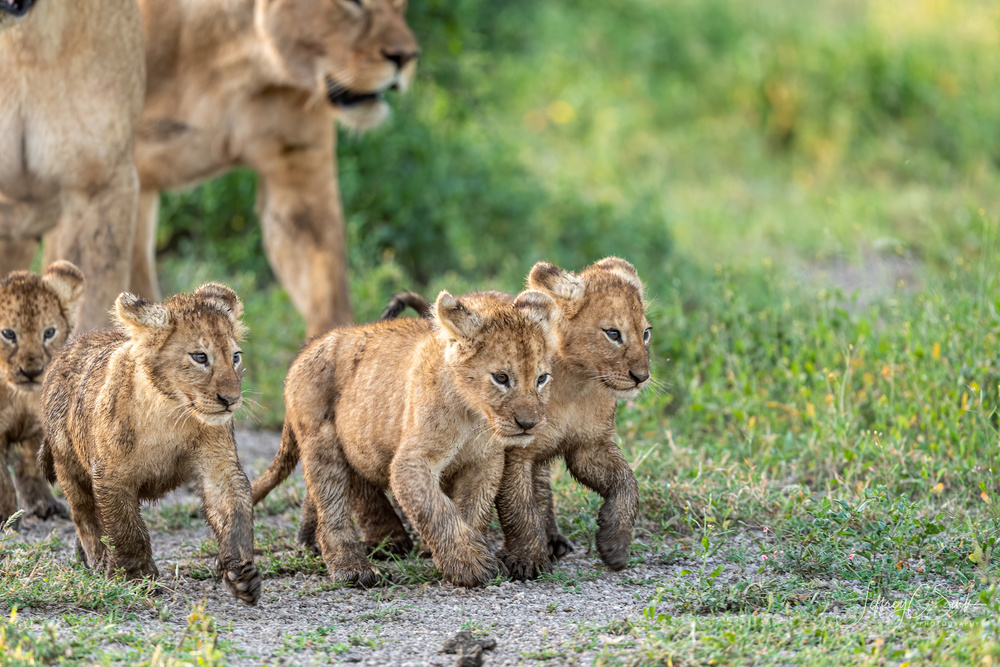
<point>36,319</point>
<point>131,413</point>
<point>255,83</point>
<point>593,371</point>
<point>422,408</point>
<point>71,89</point>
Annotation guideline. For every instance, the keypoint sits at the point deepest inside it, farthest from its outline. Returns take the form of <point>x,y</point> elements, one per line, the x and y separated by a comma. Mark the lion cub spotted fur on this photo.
<point>602,355</point>
<point>132,413</point>
<point>424,408</point>
<point>36,318</point>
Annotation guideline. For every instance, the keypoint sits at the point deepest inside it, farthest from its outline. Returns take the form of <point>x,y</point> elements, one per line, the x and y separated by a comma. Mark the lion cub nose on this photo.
<point>31,373</point>
<point>227,400</point>
<point>526,423</point>
<point>639,377</point>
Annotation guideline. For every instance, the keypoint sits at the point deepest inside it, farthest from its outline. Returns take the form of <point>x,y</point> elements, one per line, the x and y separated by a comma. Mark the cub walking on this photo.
<point>132,413</point>
<point>424,408</point>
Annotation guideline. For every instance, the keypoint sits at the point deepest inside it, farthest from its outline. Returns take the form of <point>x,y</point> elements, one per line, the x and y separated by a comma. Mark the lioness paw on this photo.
<point>243,583</point>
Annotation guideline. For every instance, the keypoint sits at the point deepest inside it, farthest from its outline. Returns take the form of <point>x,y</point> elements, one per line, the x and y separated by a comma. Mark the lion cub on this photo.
<point>36,318</point>
<point>602,355</point>
<point>131,413</point>
<point>424,408</point>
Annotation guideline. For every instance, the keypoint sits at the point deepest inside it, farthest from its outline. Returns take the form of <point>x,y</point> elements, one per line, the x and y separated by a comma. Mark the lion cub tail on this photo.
<point>46,461</point>
<point>281,467</point>
<point>400,302</point>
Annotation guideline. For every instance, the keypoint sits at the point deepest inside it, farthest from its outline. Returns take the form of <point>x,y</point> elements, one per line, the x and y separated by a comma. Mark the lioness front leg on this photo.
<point>229,510</point>
<point>601,466</point>
<point>559,545</point>
<point>143,281</point>
<point>36,496</point>
<point>303,227</point>
<point>526,550</point>
<point>96,232</point>
<point>459,549</point>
<point>128,546</point>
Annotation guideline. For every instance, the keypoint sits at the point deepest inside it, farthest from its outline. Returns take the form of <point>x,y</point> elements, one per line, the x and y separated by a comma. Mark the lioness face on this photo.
<point>349,51</point>
<point>500,357</point>
<point>35,321</point>
<point>190,346</point>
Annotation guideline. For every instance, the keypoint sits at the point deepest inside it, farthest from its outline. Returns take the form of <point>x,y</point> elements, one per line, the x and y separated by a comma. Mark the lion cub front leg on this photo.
<point>328,484</point>
<point>128,546</point>
<point>458,547</point>
<point>559,545</point>
<point>601,466</point>
<point>229,510</point>
<point>36,496</point>
<point>526,549</point>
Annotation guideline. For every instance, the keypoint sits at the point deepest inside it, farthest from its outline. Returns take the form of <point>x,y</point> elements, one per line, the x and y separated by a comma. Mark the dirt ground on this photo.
<point>300,620</point>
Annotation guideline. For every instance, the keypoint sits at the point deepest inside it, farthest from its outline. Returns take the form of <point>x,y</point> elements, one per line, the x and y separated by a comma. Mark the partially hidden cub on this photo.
<point>132,413</point>
<point>602,355</point>
<point>424,408</point>
<point>36,319</point>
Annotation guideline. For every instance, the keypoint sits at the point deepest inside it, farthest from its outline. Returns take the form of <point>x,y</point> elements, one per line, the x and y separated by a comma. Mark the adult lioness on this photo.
<point>133,412</point>
<point>71,86</point>
<point>258,83</point>
<point>603,355</point>
<point>425,408</point>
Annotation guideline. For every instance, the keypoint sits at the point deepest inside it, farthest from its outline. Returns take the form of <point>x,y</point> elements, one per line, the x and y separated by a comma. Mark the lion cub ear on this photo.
<point>222,298</point>
<point>621,269</point>
<point>138,316</point>
<point>567,288</point>
<point>457,320</point>
<point>537,306</point>
<point>66,281</point>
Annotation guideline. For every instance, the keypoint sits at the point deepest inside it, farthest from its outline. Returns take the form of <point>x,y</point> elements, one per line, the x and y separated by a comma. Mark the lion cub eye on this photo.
<point>236,358</point>
<point>9,334</point>
<point>200,357</point>
<point>49,334</point>
<point>542,379</point>
<point>613,335</point>
<point>501,379</point>
<point>646,335</point>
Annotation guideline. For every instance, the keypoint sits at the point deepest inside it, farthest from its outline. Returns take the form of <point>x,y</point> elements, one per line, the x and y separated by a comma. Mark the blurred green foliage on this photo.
<point>694,132</point>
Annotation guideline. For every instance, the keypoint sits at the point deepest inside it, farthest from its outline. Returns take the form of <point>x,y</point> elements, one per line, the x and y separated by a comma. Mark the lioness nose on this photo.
<point>526,423</point>
<point>400,57</point>
<point>639,378</point>
<point>227,400</point>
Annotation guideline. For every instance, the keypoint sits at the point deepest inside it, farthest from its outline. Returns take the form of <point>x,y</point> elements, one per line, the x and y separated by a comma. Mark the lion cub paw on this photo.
<point>243,583</point>
<point>363,576</point>
<point>478,570</point>
<point>46,508</point>
<point>614,550</point>
<point>522,569</point>
<point>559,546</point>
<point>132,568</point>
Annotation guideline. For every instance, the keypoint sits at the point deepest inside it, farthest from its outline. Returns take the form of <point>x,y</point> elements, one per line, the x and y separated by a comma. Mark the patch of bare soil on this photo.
<point>558,619</point>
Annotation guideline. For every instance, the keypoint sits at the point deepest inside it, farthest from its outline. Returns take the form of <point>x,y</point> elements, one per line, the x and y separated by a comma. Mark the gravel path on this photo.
<point>300,620</point>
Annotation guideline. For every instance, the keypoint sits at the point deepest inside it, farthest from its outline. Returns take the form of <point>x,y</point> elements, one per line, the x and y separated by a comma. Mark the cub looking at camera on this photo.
<point>424,408</point>
<point>36,318</point>
<point>132,413</point>
<point>602,355</point>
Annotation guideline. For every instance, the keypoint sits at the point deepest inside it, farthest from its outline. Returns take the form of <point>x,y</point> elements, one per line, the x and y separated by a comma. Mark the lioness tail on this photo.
<point>281,467</point>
